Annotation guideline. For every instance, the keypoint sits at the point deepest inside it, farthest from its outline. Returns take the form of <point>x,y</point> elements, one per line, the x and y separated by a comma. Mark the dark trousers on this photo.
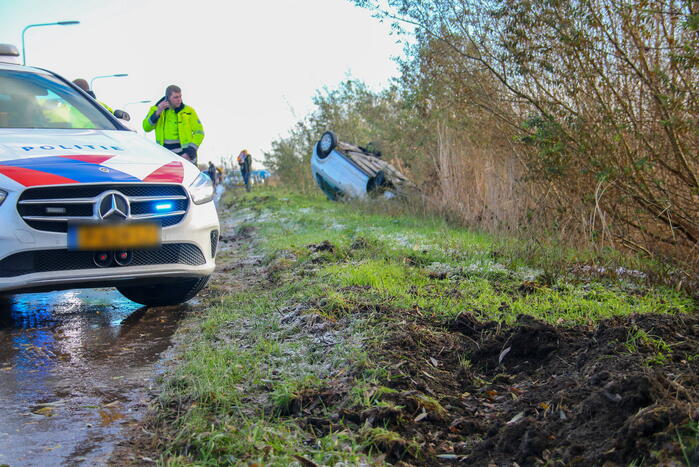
<point>246,178</point>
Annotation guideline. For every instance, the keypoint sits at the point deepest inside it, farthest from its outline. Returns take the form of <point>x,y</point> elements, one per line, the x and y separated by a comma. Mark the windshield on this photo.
<point>38,100</point>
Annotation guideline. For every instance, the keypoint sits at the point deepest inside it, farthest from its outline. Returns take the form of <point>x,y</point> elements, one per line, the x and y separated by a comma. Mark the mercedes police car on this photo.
<point>85,202</point>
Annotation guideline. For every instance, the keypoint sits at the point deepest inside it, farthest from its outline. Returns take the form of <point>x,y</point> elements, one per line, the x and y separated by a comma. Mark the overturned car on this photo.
<point>343,170</point>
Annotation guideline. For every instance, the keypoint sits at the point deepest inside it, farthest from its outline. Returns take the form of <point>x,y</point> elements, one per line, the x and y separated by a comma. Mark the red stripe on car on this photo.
<point>172,172</point>
<point>31,177</point>
<point>90,159</point>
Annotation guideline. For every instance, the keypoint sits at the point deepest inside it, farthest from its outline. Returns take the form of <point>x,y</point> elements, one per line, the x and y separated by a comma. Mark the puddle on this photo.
<point>74,369</point>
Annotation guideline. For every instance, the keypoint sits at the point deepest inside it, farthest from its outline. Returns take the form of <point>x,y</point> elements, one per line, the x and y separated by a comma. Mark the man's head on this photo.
<point>174,95</point>
<point>82,84</point>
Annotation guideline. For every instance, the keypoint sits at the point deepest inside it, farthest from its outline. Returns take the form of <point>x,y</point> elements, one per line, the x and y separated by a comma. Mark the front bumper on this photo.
<point>53,267</point>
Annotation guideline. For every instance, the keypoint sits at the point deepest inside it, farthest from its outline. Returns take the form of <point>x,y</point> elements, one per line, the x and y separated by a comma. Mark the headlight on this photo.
<point>3,195</point>
<point>202,190</point>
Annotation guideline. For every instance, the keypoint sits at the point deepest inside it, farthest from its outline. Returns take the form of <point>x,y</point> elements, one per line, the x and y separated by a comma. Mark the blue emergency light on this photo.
<point>163,207</point>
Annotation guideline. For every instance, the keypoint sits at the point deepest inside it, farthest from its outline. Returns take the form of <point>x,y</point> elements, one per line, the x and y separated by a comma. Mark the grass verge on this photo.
<point>338,335</point>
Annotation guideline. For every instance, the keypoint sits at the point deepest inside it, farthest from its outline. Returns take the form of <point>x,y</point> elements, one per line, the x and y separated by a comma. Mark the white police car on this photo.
<point>84,202</point>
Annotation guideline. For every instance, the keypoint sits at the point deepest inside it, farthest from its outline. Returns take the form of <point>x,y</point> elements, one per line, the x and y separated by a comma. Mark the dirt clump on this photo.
<point>306,401</point>
<point>325,245</point>
<point>245,231</point>
<point>520,348</point>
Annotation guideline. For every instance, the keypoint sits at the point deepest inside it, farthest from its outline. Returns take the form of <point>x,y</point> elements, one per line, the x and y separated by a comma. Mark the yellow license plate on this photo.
<point>113,236</point>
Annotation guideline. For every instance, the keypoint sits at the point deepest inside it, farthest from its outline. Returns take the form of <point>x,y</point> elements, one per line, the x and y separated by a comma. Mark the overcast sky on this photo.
<point>249,68</point>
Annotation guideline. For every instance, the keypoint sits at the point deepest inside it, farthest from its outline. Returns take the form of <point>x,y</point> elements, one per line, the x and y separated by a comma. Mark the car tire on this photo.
<point>378,184</point>
<point>326,144</point>
<point>168,293</point>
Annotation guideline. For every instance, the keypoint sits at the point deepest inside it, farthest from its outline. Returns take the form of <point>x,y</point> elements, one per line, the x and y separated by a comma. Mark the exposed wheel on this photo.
<point>378,184</point>
<point>377,181</point>
<point>326,144</point>
<point>168,293</point>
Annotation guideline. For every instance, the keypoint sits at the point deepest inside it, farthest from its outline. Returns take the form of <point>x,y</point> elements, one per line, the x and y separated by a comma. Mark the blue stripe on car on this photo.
<point>80,171</point>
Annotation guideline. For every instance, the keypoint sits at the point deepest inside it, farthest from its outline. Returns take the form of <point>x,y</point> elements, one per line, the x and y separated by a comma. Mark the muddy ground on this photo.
<point>482,393</point>
<point>624,391</point>
<point>532,393</point>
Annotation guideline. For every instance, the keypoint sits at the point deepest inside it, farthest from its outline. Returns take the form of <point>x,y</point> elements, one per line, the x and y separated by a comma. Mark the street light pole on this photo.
<point>57,23</point>
<point>136,102</point>
<point>118,75</point>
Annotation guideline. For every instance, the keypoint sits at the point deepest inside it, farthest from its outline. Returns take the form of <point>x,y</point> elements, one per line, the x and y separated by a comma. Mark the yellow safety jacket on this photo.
<point>111,111</point>
<point>183,120</point>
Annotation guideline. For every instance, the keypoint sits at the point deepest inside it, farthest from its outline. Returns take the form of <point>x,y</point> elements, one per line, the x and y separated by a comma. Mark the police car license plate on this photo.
<point>113,236</point>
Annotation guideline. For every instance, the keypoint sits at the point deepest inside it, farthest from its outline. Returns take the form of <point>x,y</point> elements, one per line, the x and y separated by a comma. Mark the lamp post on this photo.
<point>117,75</point>
<point>137,102</point>
<point>57,23</point>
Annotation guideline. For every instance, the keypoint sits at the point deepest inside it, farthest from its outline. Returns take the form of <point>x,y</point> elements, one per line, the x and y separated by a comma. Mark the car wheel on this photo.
<point>378,181</point>
<point>379,184</point>
<point>169,293</point>
<point>326,144</point>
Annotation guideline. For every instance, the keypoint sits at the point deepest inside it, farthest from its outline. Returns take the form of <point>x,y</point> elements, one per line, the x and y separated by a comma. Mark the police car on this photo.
<point>85,202</point>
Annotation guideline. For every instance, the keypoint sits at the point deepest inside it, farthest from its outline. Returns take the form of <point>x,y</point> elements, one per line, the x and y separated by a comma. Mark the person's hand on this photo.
<point>165,104</point>
<point>190,153</point>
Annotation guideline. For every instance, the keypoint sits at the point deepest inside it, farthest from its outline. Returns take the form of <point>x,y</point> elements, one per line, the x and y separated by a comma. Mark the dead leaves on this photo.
<point>305,462</point>
<point>45,411</point>
<point>421,417</point>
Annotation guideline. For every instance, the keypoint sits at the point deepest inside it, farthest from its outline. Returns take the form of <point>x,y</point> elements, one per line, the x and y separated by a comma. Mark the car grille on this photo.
<point>51,208</point>
<point>28,262</point>
<point>214,242</point>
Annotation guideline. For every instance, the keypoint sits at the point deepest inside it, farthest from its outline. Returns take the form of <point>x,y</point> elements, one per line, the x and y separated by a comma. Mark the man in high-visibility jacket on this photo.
<point>176,125</point>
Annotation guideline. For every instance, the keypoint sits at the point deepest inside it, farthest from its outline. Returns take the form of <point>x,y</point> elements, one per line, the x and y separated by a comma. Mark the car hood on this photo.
<point>30,157</point>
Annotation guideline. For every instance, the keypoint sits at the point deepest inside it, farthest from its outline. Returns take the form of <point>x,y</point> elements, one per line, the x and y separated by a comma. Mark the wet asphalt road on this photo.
<point>75,369</point>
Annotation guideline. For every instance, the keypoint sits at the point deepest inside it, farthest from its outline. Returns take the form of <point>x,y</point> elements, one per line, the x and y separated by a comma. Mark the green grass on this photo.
<point>639,340</point>
<point>397,253</point>
<point>688,439</point>
<point>242,371</point>
<point>251,359</point>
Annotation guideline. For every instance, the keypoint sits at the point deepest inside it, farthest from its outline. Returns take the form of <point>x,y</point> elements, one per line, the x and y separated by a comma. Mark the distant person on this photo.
<point>219,175</point>
<point>245,163</point>
<point>177,126</point>
<point>212,172</point>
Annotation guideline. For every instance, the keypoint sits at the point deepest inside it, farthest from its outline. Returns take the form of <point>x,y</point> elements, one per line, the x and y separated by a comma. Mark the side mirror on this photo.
<point>122,115</point>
